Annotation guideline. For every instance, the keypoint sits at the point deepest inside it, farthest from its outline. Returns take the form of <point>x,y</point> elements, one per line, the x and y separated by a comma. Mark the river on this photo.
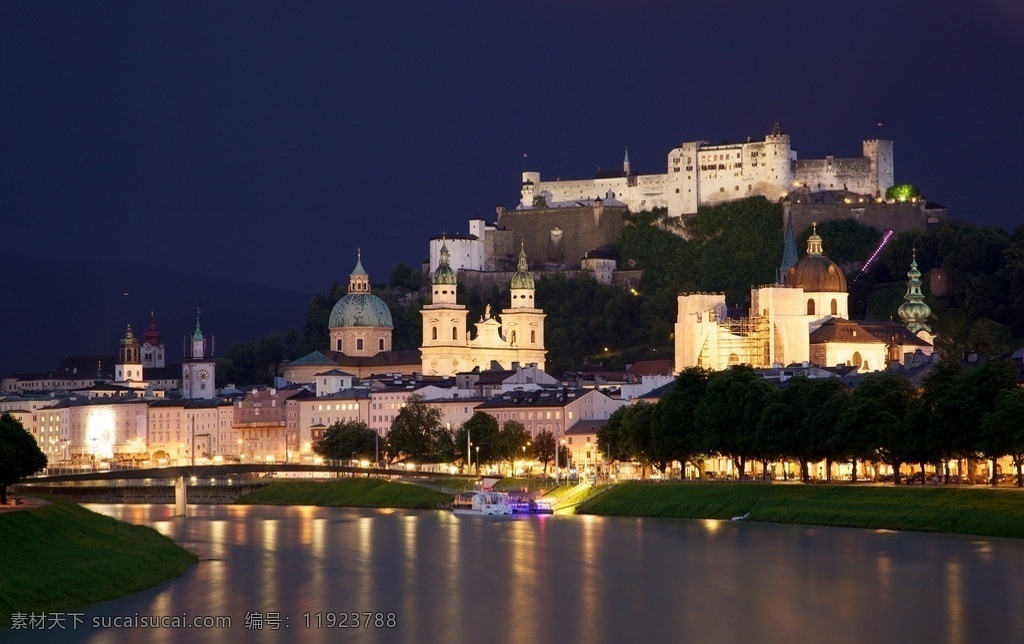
<point>307,573</point>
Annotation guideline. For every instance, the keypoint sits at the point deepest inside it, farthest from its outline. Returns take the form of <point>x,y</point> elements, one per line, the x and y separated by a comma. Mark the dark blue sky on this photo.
<point>266,141</point>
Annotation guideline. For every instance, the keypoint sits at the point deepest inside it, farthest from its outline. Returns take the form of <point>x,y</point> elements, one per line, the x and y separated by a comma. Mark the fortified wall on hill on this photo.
<point>552,238</point>
<point>700,174</point>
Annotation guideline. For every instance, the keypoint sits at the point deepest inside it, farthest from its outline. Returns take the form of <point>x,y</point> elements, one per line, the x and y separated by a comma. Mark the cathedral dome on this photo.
<point>816,273</point>
<point>361,309</point>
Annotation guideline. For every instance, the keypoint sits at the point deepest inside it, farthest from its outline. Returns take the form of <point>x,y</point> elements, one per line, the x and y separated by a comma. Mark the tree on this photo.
<point>878,408</point>
<point>729,413</point>
<point>637,425</point>
<point>796,422</point>
<point>674,435</point>
<point>510,441</point>
<point>610,438</point>
<point>344,440</point>
<point>20,455</point>
<point>482,431</point>
<point>544,449</point>
<point>1002,429</point>
<point>417,431</point>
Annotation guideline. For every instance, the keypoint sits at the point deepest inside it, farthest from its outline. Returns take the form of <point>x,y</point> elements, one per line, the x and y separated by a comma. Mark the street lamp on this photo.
<point>477,459</point>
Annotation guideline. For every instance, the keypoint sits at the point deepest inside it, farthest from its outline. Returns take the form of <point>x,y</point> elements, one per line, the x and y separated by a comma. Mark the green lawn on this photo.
<point>997,513</point>
<point>353,492</point>
<point>61,557</point>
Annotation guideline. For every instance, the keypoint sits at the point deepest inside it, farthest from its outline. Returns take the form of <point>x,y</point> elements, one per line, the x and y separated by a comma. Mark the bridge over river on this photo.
<point>234,475</point>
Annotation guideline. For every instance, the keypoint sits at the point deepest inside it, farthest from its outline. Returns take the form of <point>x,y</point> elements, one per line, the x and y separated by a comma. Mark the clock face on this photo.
<point>203,376</point>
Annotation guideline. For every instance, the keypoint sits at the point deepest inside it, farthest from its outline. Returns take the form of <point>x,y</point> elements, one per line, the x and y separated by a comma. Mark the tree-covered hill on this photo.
<point>726,248</point>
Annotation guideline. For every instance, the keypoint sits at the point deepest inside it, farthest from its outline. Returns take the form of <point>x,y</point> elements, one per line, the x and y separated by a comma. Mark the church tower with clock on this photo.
<point>198,370</point>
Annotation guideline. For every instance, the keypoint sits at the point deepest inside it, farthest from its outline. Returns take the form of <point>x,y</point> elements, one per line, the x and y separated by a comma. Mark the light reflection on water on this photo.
<point>569,579</point>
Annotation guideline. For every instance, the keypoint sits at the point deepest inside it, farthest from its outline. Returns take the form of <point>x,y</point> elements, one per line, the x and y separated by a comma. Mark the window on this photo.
<point>359,344</point>
<point>533,336</point>
<point>455,333</point>
<point>339,344</point>
<point>810,307</point>
<point>433,333</point>
<point>380,344</point>
<point>835,307</point>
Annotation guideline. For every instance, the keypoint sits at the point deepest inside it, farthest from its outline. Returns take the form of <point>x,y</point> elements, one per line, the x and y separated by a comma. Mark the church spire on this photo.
<point>625,163</point>
<point>789,256</point>
<point>914,312</point>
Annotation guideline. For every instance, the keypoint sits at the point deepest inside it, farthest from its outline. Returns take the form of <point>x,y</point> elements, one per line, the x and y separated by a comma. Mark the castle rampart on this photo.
<point>699,173</point>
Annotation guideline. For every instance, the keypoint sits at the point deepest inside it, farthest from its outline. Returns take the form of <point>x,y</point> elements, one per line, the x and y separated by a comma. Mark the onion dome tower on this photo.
<point>914,312</point>
<point>129,364</point>
<point>360,322</point>
<point>522,284</point>
<point>444,281</point>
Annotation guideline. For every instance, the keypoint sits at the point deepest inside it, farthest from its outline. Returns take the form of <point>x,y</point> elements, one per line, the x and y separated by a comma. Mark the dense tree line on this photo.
<point>959,414</point>
<point>418,434</point>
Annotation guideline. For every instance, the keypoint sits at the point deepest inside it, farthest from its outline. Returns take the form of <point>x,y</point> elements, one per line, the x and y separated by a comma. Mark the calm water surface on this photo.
<point>563,579</point>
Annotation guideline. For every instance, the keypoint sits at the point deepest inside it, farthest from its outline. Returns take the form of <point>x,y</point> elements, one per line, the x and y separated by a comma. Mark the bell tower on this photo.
<point>129,364</point>
<point>198,369</point>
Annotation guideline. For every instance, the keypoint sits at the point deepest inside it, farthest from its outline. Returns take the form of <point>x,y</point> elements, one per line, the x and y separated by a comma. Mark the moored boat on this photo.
<point>482,503</point>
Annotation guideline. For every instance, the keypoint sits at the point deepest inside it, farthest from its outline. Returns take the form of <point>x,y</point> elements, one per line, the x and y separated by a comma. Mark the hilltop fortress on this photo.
<point>700,174</point>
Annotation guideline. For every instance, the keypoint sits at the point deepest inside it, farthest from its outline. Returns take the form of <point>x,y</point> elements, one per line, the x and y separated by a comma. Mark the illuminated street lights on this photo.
<point>477,459</point>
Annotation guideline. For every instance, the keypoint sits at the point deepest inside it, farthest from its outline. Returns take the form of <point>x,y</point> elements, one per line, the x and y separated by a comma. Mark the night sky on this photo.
<point>263,142</point>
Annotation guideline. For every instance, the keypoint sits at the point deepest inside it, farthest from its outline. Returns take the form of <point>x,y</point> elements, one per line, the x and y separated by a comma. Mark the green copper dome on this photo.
<point>522,279</point>
<point>361,309</point>
<point>444,273</point>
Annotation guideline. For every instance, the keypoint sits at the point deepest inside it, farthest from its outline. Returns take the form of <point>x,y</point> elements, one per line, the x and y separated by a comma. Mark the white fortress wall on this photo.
<point>698,173</point>
<point>466,252</point>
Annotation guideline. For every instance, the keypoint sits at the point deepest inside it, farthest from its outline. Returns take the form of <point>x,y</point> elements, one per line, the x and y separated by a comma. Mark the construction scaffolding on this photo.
<point>737,341</point>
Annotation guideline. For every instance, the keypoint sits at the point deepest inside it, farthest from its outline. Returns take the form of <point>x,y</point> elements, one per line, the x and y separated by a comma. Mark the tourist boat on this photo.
<point>482,503</point>
<point>523,503</point>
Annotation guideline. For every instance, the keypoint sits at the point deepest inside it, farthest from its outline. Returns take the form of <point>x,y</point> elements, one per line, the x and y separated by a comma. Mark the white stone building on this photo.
<point>699,174</point>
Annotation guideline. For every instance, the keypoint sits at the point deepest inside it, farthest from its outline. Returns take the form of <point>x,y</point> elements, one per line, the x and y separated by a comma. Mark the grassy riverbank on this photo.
<point>997,513</point>
<point>61,557</point>
<point>352,492</point>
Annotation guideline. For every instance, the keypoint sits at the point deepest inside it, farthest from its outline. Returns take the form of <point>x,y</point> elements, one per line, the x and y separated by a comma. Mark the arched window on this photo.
<point>433,333</point>
<point>856,359</point>
<point>513,338</point>
<point>810,307</point>
<point>533,336</point>
<point>455,333</point>
<point>835,307</point>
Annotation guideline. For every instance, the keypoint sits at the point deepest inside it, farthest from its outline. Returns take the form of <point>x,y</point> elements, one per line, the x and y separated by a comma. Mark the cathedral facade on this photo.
<point>449,348</point>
